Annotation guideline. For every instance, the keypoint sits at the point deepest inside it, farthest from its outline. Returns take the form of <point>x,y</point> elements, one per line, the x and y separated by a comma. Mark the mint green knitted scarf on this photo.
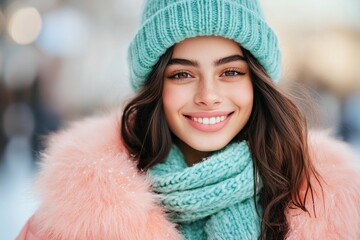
<point>213,199</point>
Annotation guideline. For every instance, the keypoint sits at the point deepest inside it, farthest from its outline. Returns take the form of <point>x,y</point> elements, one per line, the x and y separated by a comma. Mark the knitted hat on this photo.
<point>166,22</point>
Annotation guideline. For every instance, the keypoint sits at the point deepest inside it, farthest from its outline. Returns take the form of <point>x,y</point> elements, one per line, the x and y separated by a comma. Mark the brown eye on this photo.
<point>180,75</point>
<point>231,73</point>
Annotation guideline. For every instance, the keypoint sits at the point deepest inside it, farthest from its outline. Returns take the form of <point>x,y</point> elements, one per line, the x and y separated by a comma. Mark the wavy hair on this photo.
<point>276,133</point>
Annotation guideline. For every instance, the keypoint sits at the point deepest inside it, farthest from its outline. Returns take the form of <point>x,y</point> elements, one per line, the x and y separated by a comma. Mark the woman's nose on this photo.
<point>208,94</point>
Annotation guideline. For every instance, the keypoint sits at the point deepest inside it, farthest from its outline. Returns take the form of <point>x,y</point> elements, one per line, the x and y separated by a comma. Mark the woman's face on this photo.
<point>208,93</point>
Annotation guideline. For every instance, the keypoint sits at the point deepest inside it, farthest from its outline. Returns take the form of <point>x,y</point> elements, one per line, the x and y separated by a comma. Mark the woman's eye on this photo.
<point>180,75</point>
<point>232,73</point>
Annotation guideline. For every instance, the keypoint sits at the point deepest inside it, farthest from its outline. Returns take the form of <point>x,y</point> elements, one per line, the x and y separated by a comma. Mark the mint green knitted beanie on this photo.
<point>166,22</point>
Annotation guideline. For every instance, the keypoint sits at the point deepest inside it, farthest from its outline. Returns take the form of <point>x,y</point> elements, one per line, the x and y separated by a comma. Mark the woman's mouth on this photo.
<point>212,122</point>
<point>209,121</point>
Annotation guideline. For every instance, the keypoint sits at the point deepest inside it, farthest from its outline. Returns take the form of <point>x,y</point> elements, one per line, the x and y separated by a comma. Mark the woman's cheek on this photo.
<point>176,94</point>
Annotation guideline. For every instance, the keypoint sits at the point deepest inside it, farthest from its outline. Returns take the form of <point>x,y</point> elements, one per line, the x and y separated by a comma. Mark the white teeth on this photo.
<point>209,121</point>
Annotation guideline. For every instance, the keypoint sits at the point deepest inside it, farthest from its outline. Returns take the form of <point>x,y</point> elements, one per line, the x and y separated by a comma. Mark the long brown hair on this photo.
<point>144,129</point>
<point>276,133</point>
<point>277,136</point>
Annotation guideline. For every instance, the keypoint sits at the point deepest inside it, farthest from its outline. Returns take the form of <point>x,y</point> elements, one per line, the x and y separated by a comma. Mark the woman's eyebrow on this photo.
<point>182,61</point>
<point>228,59</point>
<point>192,63</point>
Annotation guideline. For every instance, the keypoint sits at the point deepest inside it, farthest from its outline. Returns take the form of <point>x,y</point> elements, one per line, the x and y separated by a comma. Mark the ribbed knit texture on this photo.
<point>213,199</point>
<point>166,22</point>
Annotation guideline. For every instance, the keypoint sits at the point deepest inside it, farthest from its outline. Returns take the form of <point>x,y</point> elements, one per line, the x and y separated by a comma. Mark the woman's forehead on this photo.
<point>205,47</point>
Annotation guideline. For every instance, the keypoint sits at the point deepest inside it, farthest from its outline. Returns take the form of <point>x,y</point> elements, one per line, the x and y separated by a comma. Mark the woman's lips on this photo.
<point>209,122</point>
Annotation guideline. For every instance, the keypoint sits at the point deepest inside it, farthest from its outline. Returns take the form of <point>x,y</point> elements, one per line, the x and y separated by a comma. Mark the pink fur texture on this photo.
<point>90,189</point>
<point>337,205</point>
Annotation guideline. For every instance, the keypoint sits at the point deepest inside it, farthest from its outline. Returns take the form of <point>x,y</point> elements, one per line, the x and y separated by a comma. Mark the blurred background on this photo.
<point>63,60</point>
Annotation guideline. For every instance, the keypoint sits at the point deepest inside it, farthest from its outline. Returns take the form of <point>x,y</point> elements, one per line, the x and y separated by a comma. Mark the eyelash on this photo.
<point>234,71</point>
<point>176,75</point>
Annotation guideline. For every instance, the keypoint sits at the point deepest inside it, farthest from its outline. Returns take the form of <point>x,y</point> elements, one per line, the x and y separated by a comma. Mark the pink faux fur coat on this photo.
<point>90,189</point>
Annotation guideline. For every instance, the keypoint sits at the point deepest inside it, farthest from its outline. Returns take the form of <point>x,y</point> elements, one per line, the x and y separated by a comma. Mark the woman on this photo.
<point>209,148</point>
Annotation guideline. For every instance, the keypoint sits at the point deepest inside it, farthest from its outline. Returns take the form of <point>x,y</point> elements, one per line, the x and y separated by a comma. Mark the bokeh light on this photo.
<point>65,33</point>
<point>25,25</point>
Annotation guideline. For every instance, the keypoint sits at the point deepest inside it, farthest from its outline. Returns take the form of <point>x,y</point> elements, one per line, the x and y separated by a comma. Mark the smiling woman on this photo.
<point>208,148</point>
<point>202,85</point>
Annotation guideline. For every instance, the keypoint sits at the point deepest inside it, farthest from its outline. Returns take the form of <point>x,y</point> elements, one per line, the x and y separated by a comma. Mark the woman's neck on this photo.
<point>192,156</point>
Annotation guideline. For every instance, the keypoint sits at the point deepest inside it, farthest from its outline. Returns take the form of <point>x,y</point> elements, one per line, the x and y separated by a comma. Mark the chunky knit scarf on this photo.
<point>213,199</point>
